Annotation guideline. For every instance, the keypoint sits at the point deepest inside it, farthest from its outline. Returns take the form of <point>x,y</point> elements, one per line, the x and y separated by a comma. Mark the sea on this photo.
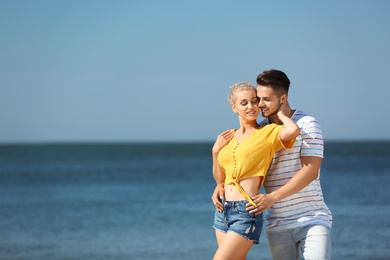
<point>153,201</point>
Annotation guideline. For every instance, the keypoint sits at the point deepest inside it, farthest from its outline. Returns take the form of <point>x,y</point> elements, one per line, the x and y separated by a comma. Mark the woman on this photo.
<point>244,162</point>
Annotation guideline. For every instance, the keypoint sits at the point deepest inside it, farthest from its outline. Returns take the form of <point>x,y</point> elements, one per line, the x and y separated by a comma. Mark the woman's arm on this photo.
<point>222,140</point>
<point>290,129</point>
<point>218,174</point>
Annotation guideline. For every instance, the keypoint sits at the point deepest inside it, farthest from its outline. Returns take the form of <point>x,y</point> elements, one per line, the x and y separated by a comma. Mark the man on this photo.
<point>297,220</point>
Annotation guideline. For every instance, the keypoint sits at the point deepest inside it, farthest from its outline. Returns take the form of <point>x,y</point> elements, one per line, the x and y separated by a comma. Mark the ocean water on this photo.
<point>152,201</point>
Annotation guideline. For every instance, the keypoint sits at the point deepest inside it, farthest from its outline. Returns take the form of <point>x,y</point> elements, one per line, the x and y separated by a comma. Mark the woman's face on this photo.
<point>246,105</point>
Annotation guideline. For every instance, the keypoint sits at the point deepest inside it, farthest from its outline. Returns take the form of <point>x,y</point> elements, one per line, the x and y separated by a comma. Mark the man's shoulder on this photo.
<point>302,118</point>
<point>300,115</point>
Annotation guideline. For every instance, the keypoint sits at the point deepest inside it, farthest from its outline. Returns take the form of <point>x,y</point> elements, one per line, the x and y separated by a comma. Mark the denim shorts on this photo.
<point>236,218</point>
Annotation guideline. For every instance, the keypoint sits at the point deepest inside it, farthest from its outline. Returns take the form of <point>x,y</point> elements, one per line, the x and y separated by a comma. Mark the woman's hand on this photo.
<point>284,110</point>
<point>222,140</point>
<point>218,195</point>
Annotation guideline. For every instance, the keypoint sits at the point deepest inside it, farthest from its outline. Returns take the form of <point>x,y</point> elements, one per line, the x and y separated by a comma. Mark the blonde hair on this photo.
<point>238,87</point>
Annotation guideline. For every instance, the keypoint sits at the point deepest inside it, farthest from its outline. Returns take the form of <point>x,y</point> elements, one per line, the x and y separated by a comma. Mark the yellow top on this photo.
<point>252,157</point>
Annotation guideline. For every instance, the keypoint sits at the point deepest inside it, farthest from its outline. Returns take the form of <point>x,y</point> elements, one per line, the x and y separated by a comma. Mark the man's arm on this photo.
<point>309,172</point>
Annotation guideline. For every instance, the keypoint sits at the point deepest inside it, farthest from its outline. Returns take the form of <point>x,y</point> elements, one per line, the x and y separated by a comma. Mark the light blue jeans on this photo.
<point>236,218</point>
<point>311,242</point>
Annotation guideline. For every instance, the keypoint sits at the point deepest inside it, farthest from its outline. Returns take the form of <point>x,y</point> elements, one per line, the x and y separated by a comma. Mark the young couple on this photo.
<point>284,152</point>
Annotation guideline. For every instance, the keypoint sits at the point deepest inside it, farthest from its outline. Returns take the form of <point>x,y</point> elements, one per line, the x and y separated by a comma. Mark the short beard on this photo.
<point>277,110</point>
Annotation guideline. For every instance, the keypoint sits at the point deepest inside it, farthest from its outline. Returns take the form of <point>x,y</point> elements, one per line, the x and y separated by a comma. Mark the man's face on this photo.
<point>269,102</point>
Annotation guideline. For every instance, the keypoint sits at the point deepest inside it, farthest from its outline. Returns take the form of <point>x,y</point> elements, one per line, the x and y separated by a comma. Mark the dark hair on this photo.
<point>275,79</point>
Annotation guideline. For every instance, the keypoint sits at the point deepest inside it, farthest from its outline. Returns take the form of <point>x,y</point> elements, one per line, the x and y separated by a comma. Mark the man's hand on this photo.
<point>218,195</point>
<point>263,202</point>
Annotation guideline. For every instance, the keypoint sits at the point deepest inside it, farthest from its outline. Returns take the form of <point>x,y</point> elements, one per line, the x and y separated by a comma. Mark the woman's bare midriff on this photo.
<point>250,185</point>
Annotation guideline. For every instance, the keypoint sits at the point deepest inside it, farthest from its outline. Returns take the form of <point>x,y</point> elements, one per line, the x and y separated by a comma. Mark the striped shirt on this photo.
<point>306,207</point>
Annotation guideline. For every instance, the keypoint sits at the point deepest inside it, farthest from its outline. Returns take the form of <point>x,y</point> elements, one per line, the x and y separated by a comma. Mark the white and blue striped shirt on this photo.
<point>306,207</point>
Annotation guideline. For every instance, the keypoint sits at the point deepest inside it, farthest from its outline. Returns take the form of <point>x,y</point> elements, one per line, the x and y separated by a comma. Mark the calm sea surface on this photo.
<point>152,201</point>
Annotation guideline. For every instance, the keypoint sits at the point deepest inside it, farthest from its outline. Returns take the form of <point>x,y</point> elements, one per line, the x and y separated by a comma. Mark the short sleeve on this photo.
<point>274,135</point>
<point>288,144</point>
<point>312,138</point>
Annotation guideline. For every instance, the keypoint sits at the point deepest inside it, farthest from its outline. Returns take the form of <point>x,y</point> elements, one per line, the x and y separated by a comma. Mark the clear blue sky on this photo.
<point>113,71</point>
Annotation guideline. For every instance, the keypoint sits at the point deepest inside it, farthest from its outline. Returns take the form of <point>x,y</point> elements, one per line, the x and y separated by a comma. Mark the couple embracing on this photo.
<point>284,153</point>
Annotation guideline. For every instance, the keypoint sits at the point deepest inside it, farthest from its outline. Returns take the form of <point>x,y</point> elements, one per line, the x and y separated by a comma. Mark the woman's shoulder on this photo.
<point>266,130</point>
<point>269,126</point>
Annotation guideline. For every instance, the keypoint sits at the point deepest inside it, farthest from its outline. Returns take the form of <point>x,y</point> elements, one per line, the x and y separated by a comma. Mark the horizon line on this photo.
<point>125,142</point>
